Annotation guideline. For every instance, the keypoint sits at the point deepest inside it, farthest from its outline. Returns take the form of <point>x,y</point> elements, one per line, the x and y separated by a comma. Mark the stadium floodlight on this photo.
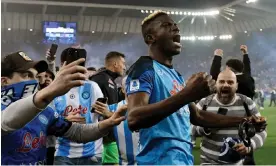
<point>93,31</point>
<point>168,12</point>
<point>180,13</point>
<point>125,33</point>
<point>147,11</point>
<point>151,11</point>
<point>261,30</point>
<point>31,29</point>
<point>225,37</point>
<point>172,12</point>
<point>9,29</point>
<point>176,13</point>
<point>142,11</point>
<point>245,31</point>
<point>251,1</point>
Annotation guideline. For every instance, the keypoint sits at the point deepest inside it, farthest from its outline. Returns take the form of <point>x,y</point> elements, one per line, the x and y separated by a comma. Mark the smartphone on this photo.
<point>222,111</point>
<point>102,100</point>
<point>53,49</point>
<point>74,54</point>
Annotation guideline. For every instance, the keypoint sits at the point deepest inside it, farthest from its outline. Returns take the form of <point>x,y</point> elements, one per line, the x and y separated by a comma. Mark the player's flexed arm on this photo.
<point>144,115</point>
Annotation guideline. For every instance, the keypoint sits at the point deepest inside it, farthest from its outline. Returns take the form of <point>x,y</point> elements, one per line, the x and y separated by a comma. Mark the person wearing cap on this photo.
<point>26,117</point>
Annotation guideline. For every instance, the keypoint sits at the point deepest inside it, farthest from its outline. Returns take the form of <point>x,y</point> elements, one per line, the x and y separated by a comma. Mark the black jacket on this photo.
<point>106,81</point>
<point>246,84</point>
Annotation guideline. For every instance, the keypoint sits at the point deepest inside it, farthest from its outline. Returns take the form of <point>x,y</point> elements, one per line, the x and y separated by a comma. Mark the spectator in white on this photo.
<point>126,140</point>
<point>262,98</point>
<point>78,98</point>
<point>26,117</point>
<point>227,102</point>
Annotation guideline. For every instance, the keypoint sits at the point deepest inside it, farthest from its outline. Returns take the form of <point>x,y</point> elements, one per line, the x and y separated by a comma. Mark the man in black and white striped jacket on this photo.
<point>232,103</point>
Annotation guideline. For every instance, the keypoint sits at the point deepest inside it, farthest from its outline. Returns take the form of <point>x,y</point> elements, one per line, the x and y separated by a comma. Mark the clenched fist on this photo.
<point>200,85</point>
<point>244,49</point>
<point>218,52</point>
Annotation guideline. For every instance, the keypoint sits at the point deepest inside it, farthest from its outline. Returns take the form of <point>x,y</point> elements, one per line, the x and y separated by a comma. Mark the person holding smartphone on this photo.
<point>78,99</point>
<point>226,102</point>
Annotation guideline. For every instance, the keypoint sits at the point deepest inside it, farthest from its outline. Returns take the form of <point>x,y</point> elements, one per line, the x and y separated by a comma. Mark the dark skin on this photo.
<point>144,115</point>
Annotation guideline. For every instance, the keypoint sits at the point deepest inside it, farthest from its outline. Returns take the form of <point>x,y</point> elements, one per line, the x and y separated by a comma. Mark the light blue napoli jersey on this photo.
<point>168,142</point>
<point>79,98</point>
<point>127,141</point>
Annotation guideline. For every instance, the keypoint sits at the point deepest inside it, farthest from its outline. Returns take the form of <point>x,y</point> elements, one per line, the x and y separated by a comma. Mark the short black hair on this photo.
<point>236,65</point>
<point>146,23</point>
<point>113,54</point>
<point>92,69</point>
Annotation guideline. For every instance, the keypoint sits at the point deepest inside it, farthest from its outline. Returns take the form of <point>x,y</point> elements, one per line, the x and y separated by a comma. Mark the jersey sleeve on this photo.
<point>200,104</point>
<point>252,107</point>
<point>58,126</point>
<point>142,83</point>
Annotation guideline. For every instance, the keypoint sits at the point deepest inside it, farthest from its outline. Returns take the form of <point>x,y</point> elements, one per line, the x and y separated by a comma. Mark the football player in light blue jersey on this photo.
<point>158,98</point>
<point>126,140</point>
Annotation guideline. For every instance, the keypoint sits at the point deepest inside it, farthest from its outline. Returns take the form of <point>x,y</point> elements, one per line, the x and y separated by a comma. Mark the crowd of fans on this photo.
<point>84,105</point>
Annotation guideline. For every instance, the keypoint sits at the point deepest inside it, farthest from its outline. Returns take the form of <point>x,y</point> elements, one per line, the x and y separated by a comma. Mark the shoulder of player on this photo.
<point>143,64</point>
<point>244,98</point>
<point>92,83</point>
<point>101,76</point>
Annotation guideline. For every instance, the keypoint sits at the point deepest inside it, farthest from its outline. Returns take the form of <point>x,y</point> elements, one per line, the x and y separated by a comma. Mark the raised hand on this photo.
<point>69,76</point>
<point>50,58</point>
<point>244,49</point>
<point>199,85</point>
<point>218,52</point>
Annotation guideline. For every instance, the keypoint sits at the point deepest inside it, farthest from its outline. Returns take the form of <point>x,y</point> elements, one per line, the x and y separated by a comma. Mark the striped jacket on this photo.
<point>212,142</point>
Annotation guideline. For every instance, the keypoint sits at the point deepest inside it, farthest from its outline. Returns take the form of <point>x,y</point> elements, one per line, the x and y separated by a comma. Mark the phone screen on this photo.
<point>102,100</point>
<point>222,111</point>
<point>53,49</point>
<point>74,54</point>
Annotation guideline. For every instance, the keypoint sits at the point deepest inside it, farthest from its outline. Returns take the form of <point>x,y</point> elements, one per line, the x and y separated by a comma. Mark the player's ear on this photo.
<point>4,81</point>
<point>150,38</point>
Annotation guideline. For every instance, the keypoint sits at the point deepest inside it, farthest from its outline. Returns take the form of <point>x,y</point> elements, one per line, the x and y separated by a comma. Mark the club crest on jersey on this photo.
<point>85,95</point>
<point>134,85</point>
<point>43,119</point>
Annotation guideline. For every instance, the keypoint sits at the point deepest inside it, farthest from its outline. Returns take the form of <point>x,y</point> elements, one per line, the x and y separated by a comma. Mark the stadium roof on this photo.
<point>234,15</point>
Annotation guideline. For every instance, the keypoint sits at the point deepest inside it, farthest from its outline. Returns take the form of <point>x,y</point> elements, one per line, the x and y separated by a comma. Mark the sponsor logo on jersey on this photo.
<point>72,96</point>
<point>30,142</point>
<point>70,108</point>
<point>43,119</point>
<point>176,87</point>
